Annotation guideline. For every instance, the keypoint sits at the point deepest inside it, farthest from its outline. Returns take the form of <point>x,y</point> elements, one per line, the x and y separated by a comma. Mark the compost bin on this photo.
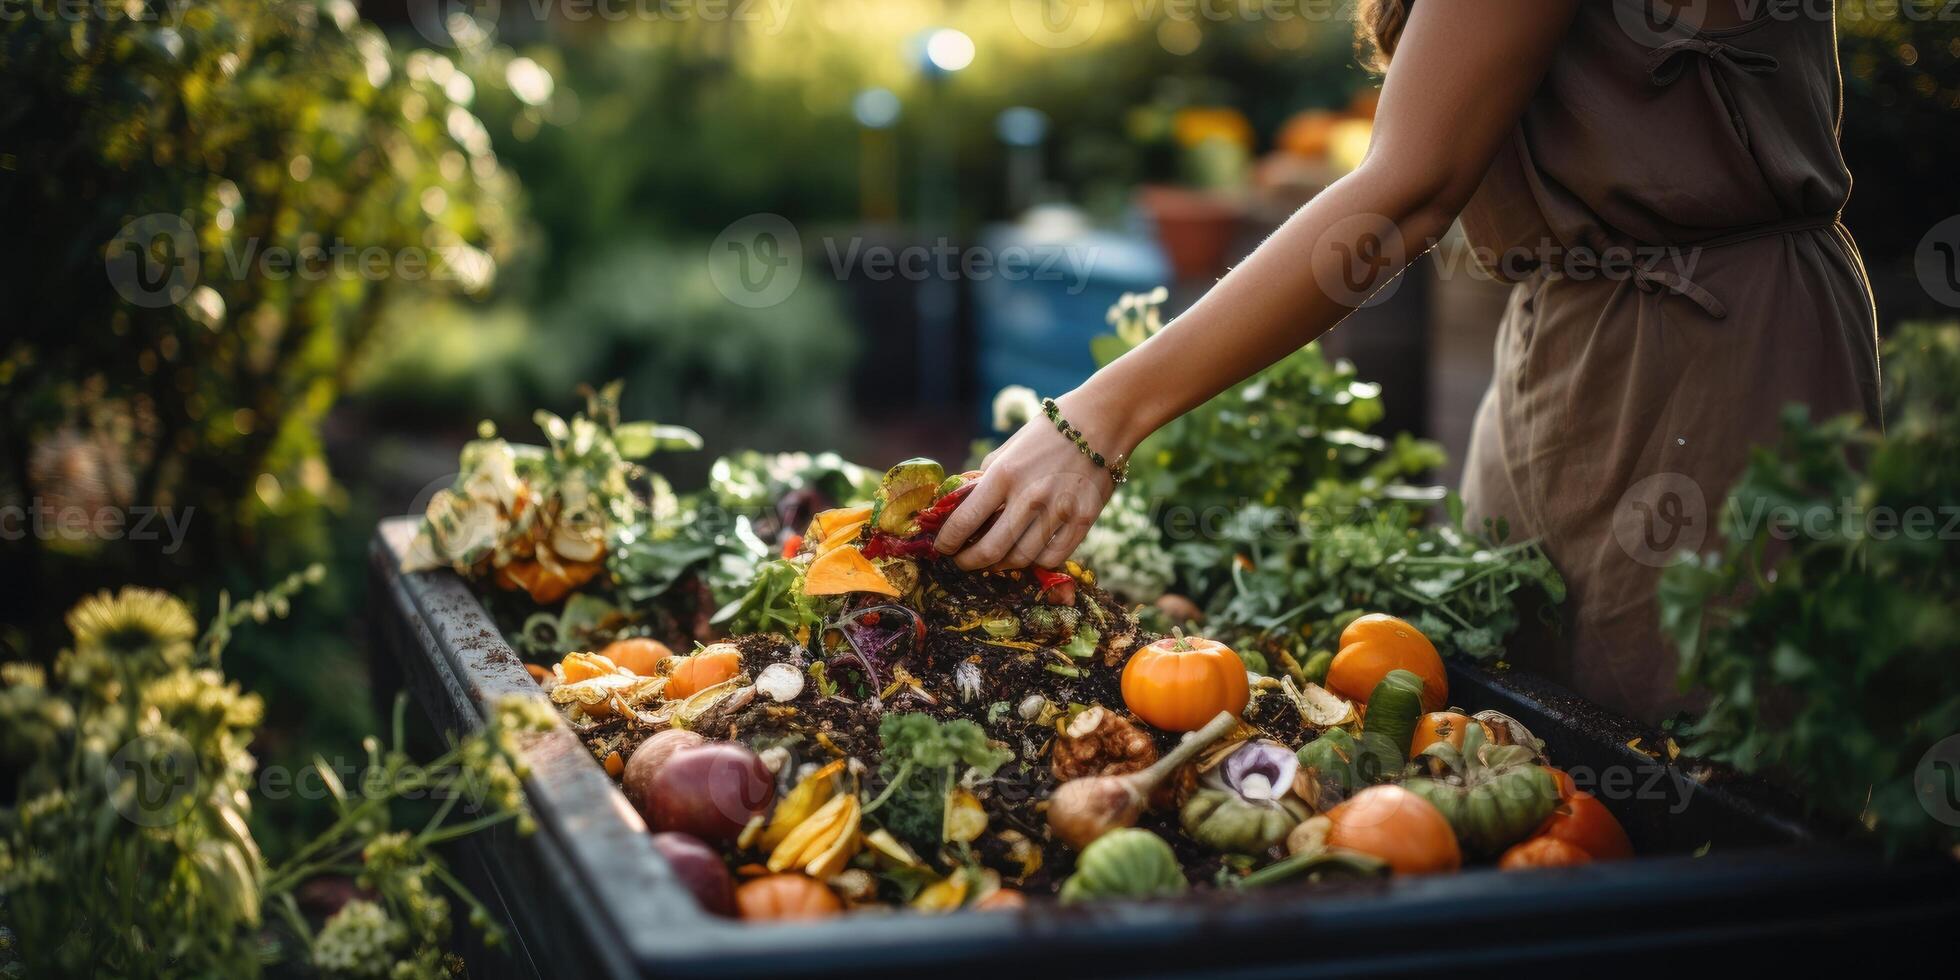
<point>1729,867</point>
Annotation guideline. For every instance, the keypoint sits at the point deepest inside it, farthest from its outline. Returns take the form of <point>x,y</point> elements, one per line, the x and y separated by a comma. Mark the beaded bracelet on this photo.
<point>1119,469</point>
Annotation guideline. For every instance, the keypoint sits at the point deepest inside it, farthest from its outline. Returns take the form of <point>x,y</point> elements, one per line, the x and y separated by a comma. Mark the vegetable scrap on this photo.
<point>879,728</point>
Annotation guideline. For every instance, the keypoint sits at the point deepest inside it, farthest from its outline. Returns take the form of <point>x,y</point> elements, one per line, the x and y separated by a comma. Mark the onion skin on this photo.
<point>1082,810</point>
<point>1179,610</point>
<point>711,791</point>
<point>701,869</point>
<point>646,761</point>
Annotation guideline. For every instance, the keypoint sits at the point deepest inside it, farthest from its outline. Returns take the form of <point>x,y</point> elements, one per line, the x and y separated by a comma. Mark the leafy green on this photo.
<point>1082,645</point>
<point>1268,441</point>
<point>919,765</point>
<point>1274,509</point>
<point>1301,585</point>
<point>713,534</point>
<point>1825,629</point>
<point>775,602</point>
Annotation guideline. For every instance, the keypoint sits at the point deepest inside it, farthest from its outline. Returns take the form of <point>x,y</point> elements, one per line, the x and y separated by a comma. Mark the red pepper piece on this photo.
<point>933,517</point>
<point>1056,587</point>
<point>792,545</point>
<point>882,545</point>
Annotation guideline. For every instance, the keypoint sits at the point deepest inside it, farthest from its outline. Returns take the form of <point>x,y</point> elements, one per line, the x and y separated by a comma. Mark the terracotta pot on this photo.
<point>1195,228</point>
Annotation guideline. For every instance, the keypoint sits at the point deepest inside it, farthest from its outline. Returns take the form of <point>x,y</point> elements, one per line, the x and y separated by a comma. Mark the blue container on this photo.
<point>1046,298</point>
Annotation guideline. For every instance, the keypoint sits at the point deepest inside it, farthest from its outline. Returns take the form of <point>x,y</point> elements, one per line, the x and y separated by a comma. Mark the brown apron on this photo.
<point>1668,209</point>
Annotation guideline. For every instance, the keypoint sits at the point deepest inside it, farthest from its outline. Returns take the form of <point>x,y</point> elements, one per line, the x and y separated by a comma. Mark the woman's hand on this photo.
<point>1045,492</point>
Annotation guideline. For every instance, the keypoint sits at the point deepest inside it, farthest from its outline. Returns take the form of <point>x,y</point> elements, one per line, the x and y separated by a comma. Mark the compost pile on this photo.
<point>909,733</point>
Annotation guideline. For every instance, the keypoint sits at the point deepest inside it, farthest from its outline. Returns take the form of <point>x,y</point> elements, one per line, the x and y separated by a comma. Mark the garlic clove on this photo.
<point>780,683</point>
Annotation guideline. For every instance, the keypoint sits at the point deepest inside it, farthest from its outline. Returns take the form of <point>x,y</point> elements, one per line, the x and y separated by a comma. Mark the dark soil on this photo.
<point>1005,667</point>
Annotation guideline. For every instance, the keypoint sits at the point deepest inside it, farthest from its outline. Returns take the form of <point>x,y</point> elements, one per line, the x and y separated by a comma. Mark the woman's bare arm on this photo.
<point>1462,75</point>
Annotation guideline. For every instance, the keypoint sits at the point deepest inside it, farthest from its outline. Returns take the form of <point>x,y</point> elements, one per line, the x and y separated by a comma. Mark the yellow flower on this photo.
<point>133,621</point>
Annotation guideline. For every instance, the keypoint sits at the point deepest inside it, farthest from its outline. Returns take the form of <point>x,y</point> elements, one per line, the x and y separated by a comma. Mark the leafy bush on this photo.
<point>1825,629</point>
<point>125,848</point>
<point>650,314</point>
<point>1270,440</point>
<point>218,139</point>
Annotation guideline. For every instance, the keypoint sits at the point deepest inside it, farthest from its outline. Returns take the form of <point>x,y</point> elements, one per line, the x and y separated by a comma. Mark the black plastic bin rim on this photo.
<point>646,923</point>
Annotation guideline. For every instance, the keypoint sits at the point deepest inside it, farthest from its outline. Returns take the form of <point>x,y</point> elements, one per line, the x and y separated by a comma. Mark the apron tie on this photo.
<point>1665,64</point>
<point>1653,280</point>
<point>1649,276</point>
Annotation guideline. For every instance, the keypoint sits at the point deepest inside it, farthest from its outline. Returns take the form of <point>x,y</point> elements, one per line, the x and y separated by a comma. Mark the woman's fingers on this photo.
<point>1062,544</point>
<point>971,514</point>
<point>1050,515</point>
<point>1002,537</point>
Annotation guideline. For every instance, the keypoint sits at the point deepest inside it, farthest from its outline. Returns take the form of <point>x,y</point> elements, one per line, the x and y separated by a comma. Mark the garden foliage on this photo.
<point>125,848</point>
<point>1825,627</point>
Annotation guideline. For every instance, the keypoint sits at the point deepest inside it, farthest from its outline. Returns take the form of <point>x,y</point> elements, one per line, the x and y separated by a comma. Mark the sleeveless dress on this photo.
<point>1668,209</point>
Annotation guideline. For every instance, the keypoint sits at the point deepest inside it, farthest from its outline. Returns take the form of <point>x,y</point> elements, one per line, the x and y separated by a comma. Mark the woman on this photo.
<point>1665,197</point>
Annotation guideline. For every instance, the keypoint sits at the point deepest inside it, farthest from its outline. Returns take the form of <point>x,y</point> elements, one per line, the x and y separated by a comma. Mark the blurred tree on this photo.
<point>209,205</point>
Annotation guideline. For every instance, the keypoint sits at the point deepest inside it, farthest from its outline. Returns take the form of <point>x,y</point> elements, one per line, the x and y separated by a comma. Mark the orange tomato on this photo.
<point>1397,826</point>
<point>1584,822</point>
<point>1179,683</point>
<point>1376,644</point>
<point>785,897</point>
<point>1440,726</point>
<point>1002,900</point>
<point>1543,852</point>
<point>703,670</point>
<point>637,654</point>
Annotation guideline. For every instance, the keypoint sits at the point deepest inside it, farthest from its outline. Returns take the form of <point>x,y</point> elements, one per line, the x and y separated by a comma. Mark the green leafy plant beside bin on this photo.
<point>125,848</point>
<point>1825,628</point>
